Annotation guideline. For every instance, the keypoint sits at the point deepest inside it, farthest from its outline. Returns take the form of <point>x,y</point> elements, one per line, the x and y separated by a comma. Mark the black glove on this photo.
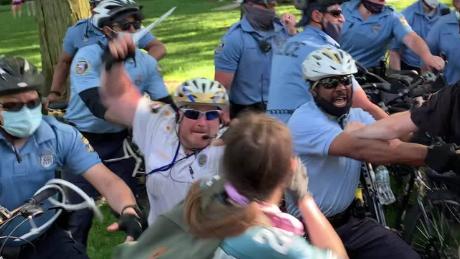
<point>131,224</point>
<point>443,158</point>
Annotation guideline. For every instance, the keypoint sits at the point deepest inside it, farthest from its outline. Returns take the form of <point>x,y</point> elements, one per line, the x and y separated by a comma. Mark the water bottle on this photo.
<point>382,184</point>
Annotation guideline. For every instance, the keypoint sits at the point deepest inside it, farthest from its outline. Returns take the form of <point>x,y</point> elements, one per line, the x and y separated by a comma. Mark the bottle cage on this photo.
<point>33,218</point>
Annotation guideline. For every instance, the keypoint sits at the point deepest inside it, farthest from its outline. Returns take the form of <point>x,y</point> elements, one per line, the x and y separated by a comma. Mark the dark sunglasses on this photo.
<point>336,13</point>
<point>125,25</point>
<point>195,115</point>
<point>333,82</point>
<point>15,107</point>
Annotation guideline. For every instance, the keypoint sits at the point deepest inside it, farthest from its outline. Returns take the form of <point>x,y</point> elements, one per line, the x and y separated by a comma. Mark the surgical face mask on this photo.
<point>23,123</point>
<point>259,18</point>
<point>373,7</point>
<point>333,30</point>
<point>431,3</point>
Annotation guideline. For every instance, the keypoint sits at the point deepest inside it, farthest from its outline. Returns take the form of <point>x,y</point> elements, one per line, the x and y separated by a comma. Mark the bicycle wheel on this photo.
<point>433,227</point>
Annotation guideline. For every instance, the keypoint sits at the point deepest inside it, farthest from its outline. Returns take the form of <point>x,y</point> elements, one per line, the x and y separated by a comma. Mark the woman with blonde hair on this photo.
<point>236,214</point>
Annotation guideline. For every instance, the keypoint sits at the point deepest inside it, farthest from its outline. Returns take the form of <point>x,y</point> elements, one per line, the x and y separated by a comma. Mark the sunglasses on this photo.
<point>333,82</point>
<point>195,115</point>
<point>125,25</point>
<point>15,107</point>
<point>336,13</point>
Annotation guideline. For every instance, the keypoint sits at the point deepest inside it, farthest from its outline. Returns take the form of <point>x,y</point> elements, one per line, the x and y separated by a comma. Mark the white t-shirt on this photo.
<point>155,134</point>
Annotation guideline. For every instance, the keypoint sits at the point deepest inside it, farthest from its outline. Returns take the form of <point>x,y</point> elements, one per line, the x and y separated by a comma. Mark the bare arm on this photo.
<point>360,100</point>
<point>156,49</point>
<point>110,186</point>
<point>118,93</point>
<point>320,231</point>
<point>378,151</point>
<point>395,60</point>
<point>419,47</point>
<point>61,72</point>
<point>225,78</point>
<point>396,126</point>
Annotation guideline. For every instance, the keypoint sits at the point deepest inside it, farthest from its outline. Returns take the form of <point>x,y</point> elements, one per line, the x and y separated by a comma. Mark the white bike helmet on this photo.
<point>201,91</point>
<point>107,10</point>
<point>327,62</point>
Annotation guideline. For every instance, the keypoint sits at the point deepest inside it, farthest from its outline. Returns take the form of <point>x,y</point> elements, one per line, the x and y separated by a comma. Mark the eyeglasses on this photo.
<point>125,25</point>
<point>195,115</point>
<point>333,82</point>
<point>17,106</point>
<point>336,12</point>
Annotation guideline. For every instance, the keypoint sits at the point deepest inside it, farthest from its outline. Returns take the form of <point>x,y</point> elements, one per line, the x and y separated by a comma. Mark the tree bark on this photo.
<point>53,18</point>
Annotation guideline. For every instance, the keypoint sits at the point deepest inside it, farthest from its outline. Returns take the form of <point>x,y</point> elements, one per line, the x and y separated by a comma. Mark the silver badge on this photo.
<point>46,160</point>
<point>202,159</point>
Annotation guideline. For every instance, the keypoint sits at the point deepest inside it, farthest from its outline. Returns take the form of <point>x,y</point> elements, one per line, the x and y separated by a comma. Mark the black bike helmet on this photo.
<point>108,11</point>
<point>18,75</point>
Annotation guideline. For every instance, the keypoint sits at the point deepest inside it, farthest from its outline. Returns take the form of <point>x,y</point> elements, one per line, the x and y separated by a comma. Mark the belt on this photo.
<point>341,218</point>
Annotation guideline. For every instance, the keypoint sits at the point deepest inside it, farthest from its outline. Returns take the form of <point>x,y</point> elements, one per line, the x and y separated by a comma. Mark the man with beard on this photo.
<point>444,39</point>
<point>369,29</point>
<point>321,135</point>
<point>244,57</point>
<point>323,20</point>
<point>421,16</point>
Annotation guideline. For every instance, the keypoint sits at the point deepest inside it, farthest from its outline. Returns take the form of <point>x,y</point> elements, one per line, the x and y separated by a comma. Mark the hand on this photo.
<point>434,62</point>
<point>298,188</point>
<point>51,98</point>
<point>289,21</point>
<point>443,158</point>
<point>131,222</point>
<point>122,46</point>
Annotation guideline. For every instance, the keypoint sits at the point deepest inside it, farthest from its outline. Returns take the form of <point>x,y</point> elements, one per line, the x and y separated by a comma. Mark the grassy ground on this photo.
<point>191,35</point>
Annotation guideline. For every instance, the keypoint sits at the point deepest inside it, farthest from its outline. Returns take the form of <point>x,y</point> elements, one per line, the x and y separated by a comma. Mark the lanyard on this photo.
<point>173,162</point>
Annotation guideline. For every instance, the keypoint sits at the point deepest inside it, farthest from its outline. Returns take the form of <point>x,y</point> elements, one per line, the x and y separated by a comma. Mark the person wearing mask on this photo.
<point>244,57</point>
<point>322,21</point>
<point>444,39</point>
<point>421,16</point>
<point>369,29</point>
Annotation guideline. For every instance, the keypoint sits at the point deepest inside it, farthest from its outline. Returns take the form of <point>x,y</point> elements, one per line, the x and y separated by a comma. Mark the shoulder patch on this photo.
<point>220,47</point>
<point>81,67</point>
<point>88,146</point>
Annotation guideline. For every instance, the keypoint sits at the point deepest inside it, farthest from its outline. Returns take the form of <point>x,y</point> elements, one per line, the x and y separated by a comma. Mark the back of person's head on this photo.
<point>257,156</point>
<point>256,162</point>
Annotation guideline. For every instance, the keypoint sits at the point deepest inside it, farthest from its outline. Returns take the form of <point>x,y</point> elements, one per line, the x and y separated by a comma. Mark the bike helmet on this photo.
<point>201,91</point>
<point>18,75</point>
<point>94,3</point>
<point>109,10</point>
<point>327,62</point>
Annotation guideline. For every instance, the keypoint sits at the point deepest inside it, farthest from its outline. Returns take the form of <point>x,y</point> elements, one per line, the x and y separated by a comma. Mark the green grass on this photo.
<point>191,35</point>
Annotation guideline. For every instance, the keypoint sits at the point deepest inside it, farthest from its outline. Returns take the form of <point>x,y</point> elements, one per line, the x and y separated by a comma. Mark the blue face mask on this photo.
<point>22,123</point>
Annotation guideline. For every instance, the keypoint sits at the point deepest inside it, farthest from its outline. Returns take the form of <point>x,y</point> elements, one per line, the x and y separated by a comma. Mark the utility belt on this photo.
<point>379,70</point>
<point>235,109</point>
<point>340,219</point>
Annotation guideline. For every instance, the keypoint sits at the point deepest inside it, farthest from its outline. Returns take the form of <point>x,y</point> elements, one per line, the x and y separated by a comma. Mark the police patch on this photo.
<point>376,28</point>
<point>202,159</point>
<point>81,67</point>
<point>88,146</point>
<point>46,160</point>
<point>219,48</point>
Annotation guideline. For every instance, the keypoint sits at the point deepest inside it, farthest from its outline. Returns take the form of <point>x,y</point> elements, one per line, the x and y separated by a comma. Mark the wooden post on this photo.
<point>53,18</point>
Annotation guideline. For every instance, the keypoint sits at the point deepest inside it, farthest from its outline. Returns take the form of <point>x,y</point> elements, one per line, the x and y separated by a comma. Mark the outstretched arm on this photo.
<point>419,47</point>
<point>118,93</point>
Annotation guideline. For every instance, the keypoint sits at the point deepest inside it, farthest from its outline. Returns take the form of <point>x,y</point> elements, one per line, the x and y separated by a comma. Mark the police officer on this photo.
<point>243,59</point>
<point>85,33</point>
<point>85,109</point>
<point>444,39</point>
<point>421,16</point>
<point>322,21</point>
<point>369,28</point>
<point>32,148</point>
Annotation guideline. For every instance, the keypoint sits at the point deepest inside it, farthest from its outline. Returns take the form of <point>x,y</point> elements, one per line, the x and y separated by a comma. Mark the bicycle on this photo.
<point>40,212</point>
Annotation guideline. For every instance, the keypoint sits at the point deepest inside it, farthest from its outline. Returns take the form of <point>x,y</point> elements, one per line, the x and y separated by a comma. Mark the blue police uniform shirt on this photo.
<point>85,73</point>
<point>421,23</point>
<point>444,39</point>
<point>332,179</point>
<point>84,33</point>
<point>368,40</point>
<point>53,145</point>
<point>239,53</point>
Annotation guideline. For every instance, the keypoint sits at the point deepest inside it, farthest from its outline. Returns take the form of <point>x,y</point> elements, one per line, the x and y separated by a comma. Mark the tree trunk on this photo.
<point>53,18</point>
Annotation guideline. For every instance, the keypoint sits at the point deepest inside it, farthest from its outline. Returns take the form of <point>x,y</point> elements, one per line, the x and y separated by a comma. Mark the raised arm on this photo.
<point>118,93</point>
